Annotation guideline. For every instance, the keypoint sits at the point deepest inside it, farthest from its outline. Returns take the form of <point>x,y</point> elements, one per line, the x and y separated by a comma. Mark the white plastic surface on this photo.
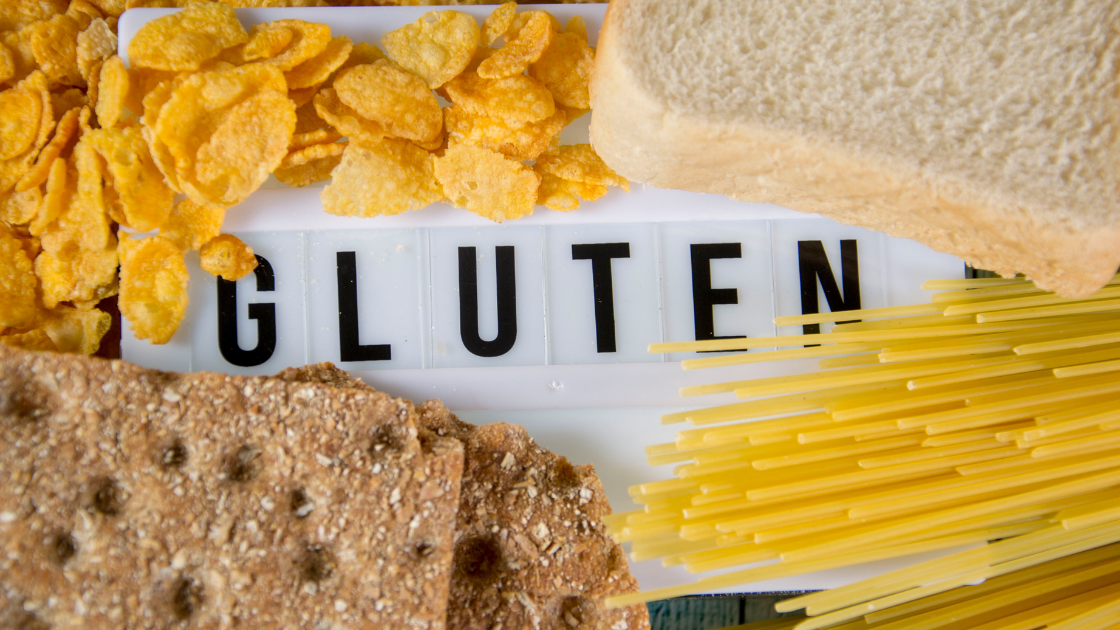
<point>590,406</point>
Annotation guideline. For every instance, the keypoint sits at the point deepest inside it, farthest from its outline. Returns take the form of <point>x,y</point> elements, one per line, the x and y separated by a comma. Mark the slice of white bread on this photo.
<point>988,129</point>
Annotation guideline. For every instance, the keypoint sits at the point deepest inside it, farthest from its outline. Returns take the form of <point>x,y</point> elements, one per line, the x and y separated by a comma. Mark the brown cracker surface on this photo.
<point>140,499</point>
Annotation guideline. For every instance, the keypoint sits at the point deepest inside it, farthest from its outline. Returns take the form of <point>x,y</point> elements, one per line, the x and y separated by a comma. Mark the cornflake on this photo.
<point>112,92</point>
<point>398,101</point>
<point>140,199</point>
<point>565,69</point>
<point>96,42</point>
<point>217,135</point>
<point>18,306</point>
<point>380,178</point>
<point>580,163</point>
<point>437,47</point>
<point>533,37</point>
<point>498,22</point>
<point>55,46</point>
<point>310,164</point>
<point>313,72</point>
<point>486,182</point>
<point>185,40</point>
<point>153,287</point>
<point>227,256</point>
<point>77,330</point>
<point>524,141</point>
<point>191,224</point>
<point>517,99</point>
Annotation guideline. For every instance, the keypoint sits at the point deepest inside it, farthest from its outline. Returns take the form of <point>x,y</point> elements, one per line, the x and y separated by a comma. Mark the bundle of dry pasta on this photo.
<point>990,415</point>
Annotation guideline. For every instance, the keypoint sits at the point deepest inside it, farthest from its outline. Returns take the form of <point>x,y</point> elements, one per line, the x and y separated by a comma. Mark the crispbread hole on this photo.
<point>300,503</point>
<point>186,597</point>
<point>316,564</point>
<point>174,454</point>
<point>578,612</point>
<point>479,558</point>
<point>62,547</point>
<point>244,465</point>
<point>108,499</point>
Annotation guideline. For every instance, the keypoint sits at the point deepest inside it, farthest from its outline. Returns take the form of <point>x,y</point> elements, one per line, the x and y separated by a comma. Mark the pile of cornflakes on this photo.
<point>206,111</point>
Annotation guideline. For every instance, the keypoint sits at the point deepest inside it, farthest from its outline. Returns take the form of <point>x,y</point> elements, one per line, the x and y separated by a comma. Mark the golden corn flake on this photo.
<point>140,82</point>
<point>227,256</point>
<point>94,90</point>
<point>241,153</point>
<point>20,206</point>
<point>16,14</point>
<point>498,22</point>
<point>435,144</point>
<point>23,58</point>
<point>516,99</point>
<point>20,113</point>
<point>140,192</point>
<point>62,187</point>
<point>524,141</point>
<point>561,194</point>
<point>112,92</point>
<point>191,224</point>
<point>7,63</point>
<point>96,43</point>
<point>361,54</point>
<point>310,165</point>
<point>186,39</point>
<point>580,163</point>
<point>68,99</point>
<point>83,12</point>
<point>65,135</point>
<point>309,138</point>
<point>307,119</point>
<point>553,194</point>
<point>398,101</point>
<point>18,307</point>
<point>577,26</point>
<point>112,8</point>
<point>265,41</point>
<point>308,40</point>
<point>154,102</point>
<point>313,72</point>
<point>565,69</point>
<point>486,182</point>
<point>153,287</point>
<point>75,275</point>
<point>343,118</point>
<point>513,58</point>
<point>76,330</point>
<point>36,339</point>
<point>381,178</point>
<point>482,53</point>
<point>521,19</point>
<point>437,47</point>
<point>55,46</point>
<point>224,131</point>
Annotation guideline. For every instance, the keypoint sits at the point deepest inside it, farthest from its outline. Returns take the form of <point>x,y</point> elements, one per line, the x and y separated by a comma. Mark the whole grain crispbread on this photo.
<point>530,549</point>
<point>140,499</point>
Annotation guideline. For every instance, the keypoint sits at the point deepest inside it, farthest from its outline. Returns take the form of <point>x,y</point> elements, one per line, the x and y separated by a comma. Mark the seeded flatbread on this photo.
<point>530,549</point>
<point>140,499</point>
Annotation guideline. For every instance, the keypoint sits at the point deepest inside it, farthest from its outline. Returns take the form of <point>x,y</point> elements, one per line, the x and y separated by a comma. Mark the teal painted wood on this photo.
<point>710,613</point>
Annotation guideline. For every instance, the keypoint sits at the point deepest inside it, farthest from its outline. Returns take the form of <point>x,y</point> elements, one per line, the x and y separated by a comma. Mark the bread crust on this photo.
<point>646,141</point>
